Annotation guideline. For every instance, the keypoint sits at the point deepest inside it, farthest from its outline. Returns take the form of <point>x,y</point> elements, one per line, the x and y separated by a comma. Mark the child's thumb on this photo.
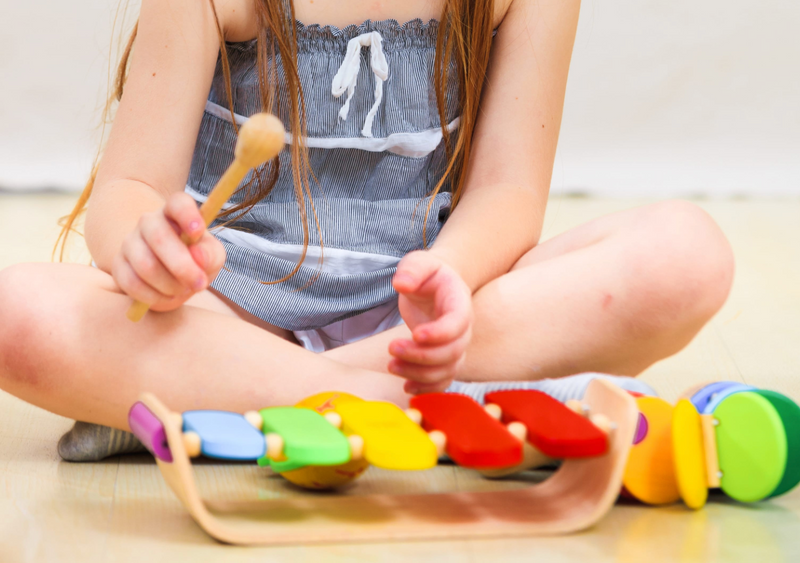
<point>414,270</point>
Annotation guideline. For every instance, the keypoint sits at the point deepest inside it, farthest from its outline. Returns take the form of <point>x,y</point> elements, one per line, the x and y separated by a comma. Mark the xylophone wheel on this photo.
<point>717,398</point>
<point>790,416</point>
<point>704,393</point>
<point>752,447</point>
<point>650,472</point>
<point>689,454</point>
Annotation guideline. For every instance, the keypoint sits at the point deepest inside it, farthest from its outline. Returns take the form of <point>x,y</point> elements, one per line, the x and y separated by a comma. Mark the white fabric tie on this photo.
<point>347,75</point>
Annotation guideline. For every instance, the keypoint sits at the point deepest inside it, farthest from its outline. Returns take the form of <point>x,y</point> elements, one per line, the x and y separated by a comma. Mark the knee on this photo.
<point>684,262</point>
<point>23,326</point>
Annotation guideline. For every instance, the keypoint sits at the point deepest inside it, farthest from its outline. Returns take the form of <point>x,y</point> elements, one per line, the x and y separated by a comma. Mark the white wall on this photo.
<point>683,97</point>
<point>664,98</point>
<point>53,62</point>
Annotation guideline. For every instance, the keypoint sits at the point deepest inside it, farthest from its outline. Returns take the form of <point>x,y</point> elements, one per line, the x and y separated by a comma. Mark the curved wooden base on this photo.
<point>579,494</point>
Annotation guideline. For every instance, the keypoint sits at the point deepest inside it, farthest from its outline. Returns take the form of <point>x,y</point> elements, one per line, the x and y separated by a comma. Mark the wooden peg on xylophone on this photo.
<point>192,443</point>
<point>356,447</point>
<point>254,419</point>
<point>577,407</point>
<point>493,410</point>
<point>415,416</point>
<point>602,422</point>
<point>334,418</point>
<point>274,446</point>
<point>518,430</point>
<point>439,440</point>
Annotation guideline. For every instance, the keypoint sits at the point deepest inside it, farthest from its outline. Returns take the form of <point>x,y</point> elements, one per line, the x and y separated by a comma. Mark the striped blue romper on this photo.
<point>375,146</point>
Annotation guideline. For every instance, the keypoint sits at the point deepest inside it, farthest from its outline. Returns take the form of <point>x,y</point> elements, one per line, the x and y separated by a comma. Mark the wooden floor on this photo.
<point>121,510</point>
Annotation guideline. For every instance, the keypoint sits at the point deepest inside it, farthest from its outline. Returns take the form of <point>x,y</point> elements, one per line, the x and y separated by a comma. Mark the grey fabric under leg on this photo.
<point>561,388</point>
<point>93,442</point>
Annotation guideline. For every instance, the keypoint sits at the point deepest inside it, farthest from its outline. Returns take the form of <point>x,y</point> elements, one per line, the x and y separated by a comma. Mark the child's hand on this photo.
<point>156,267</point>
<point>436,305</point>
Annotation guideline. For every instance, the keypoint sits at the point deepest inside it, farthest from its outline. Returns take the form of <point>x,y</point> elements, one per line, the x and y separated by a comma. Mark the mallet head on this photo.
<point>260,139</point>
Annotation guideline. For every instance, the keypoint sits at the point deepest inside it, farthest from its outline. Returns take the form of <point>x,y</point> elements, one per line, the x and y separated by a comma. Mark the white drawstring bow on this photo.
<point>347,75</point>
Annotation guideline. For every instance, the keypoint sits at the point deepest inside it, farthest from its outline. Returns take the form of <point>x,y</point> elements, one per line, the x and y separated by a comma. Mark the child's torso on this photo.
<point>372,191</point>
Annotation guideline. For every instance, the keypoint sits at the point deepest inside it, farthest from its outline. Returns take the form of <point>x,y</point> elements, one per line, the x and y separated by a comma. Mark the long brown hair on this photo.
<point>464,38</point>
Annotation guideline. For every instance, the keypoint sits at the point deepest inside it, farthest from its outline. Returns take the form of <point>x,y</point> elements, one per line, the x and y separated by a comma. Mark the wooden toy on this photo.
<point>650,472</point>
<point>321,477</point>
<point>743,440</point>
<point>391,439</point>
<point>552,428</point>
<point>473,437</point>
<point>301,437</point>
<point>752,447</point>
<point>790,416</point>
<point>260,139</point>
<point>222,435</point>
<point>716,399</point>
<point>577,495</point>
<point>689,454</point>
<point>701,395</point>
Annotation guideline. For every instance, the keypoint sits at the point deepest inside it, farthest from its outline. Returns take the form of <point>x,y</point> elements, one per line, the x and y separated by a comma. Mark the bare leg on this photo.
<point>614,295</point>
<point>66,346</point>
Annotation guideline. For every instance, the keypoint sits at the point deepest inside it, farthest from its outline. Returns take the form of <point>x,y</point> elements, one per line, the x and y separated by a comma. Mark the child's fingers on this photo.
<point>413,271</point>
<point>450,326</point>
<point>414,388</point>
<point>411,352</point>
<point>131,284</point>
<point>149,268</point>
<point>425,375</point>
<point>172,252</point>
<point>182,209</point>
<point>209,254</point>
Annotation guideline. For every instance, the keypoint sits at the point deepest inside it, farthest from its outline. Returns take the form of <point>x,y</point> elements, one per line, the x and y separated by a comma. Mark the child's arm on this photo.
<point>500,216</point>
<point>501,212</point>
<point>137,209</point>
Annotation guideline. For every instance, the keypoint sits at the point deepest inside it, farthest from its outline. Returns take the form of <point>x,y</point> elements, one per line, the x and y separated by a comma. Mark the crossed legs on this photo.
<point>614,295</point>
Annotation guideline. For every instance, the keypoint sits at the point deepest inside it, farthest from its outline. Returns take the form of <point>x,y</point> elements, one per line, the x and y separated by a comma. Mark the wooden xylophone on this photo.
<point>724,435</point>
<point>344,432</point>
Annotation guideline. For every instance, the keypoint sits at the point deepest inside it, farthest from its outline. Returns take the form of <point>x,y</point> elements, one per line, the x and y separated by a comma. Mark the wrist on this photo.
<point>455,262</point>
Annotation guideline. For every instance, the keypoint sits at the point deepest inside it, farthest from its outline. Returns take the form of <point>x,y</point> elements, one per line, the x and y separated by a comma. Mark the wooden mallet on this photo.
<point>260,139</point>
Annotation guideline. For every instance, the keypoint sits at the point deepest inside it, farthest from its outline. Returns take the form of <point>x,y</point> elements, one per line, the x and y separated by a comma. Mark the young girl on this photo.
<point>392,249</point>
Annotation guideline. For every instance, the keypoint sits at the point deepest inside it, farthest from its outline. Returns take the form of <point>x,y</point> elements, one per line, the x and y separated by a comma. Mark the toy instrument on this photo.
<point>330,439</point>
<point>721,435</point>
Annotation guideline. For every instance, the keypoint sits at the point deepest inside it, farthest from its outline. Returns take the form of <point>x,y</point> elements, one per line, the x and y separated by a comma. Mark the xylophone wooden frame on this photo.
<point>578,495</point>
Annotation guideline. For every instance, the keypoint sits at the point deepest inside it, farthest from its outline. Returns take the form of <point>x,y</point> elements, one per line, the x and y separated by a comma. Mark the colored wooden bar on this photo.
<point>474,439</point>
<point>308,438</point>
<point>225,435</point>
<point>553,428</point>
<point>391,439</point>
<point>149,430</point>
